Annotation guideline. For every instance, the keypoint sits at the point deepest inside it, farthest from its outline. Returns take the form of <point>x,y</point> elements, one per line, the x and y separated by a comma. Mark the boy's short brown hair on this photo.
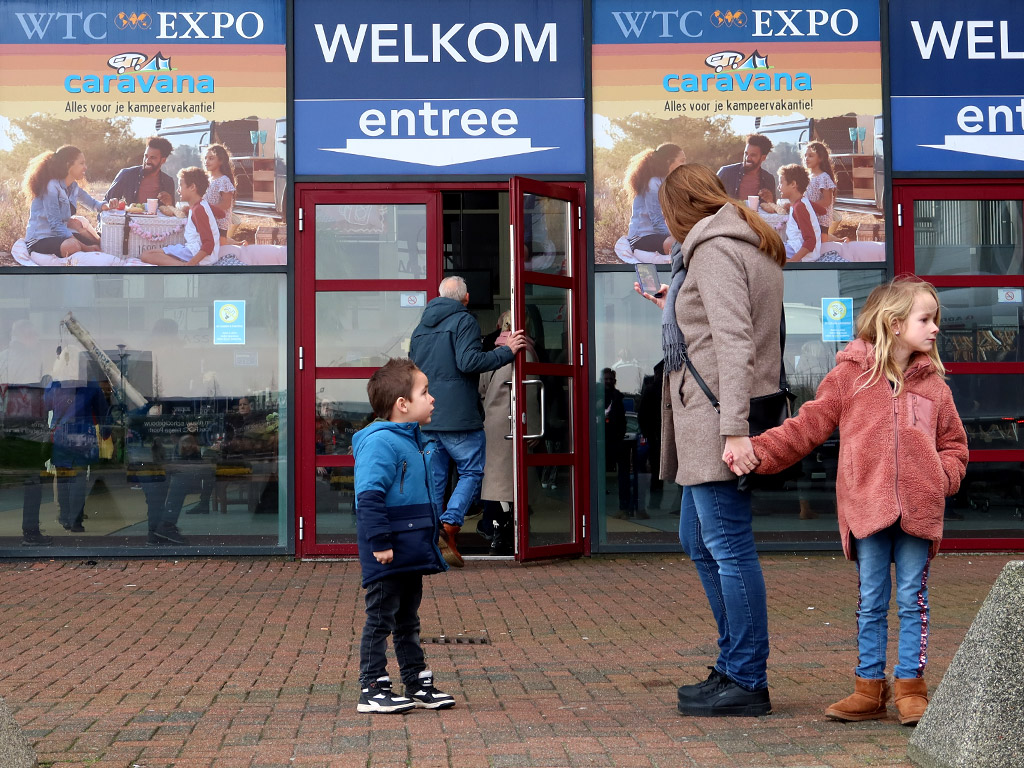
<point>388,383</point>
<point>797,173</point>
<point>195,177</point>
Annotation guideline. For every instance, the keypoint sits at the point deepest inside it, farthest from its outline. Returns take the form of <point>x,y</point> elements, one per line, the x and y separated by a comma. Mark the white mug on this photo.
<point>151,205</point>
<point>753,201</point>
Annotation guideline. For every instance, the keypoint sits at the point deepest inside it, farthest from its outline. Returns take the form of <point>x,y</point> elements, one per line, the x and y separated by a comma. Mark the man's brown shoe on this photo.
<point>910,694</point>
<point>449,545</point>
<point>867,702</point>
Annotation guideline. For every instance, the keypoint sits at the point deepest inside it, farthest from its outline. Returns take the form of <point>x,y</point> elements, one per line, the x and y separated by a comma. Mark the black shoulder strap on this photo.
<point>783,383</point>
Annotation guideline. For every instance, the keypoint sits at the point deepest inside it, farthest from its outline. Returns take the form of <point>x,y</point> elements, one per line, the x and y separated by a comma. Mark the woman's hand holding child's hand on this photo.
<point>663,290</point>
<point>739,455</point>
<point>385,557</point>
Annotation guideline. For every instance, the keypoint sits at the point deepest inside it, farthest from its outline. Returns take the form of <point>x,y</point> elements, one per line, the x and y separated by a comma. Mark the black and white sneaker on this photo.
<point>378,697</point>
<point>425,695</point>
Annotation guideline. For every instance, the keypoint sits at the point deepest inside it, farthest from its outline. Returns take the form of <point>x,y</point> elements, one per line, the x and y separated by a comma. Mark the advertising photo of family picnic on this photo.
<point>146,139</point>
<point>787,109</point>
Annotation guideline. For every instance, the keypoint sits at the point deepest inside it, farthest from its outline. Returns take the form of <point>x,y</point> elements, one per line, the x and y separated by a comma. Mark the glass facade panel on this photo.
<point>990,503</point>
<point>639,510</point>
<point>125,423</point>
<point>362,328</point>
<point>371,242</point>
<point>968,237</point>
<point>335,505</point>
<point>547,322</point>
<point>978,327</point>
<point>548,229</point>
<point>992,409</point>
<point>343,408</point>
<point>550,514</point>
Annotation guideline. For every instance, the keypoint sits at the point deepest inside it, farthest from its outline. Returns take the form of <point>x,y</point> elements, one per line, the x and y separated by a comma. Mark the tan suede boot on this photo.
<point>867,702</point>
<point>449,545</point>
<point>910,694</point>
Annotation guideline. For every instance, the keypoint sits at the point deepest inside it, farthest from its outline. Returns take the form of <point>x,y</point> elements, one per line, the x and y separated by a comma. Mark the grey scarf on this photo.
<point>673,345</point>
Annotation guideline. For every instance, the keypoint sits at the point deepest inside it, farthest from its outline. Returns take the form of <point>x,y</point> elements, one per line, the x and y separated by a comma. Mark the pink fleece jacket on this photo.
<point>899,457</point>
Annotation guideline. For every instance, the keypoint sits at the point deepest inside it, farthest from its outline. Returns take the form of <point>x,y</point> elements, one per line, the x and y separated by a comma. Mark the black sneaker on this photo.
<point>378,697</point>
<point>689,692</point>
<point>170,535</point>
<point>36,539</point>
<point>425,695</point>
<point>727,699</point>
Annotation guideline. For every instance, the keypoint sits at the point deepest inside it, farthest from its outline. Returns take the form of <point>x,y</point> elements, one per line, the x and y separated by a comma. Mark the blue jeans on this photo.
<point>874,555</point>
<point>716,532</point>
<point>467,450</point>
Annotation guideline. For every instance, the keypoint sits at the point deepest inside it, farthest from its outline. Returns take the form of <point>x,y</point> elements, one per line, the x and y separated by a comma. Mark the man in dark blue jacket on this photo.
<point>446,347</point>
<point>139,183</point>
<point>748,178</point>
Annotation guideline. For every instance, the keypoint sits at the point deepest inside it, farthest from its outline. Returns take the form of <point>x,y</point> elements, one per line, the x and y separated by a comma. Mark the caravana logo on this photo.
<point>136,75</point>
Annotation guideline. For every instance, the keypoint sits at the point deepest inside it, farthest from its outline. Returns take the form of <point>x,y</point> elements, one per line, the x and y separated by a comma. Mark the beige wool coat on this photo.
<point>498,481</point>
<point>729,310</point>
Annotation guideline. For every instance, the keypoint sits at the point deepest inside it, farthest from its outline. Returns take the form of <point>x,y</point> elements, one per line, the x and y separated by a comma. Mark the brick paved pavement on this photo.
<point>253,664</point>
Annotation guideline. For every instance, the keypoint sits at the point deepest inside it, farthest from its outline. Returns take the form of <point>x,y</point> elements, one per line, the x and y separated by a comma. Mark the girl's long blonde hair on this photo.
<point>888,305</point>
<point>693,192</point>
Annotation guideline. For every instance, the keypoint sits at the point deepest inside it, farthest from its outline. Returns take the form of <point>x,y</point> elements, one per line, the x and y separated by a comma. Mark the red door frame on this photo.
<point>307,196</point>
<point>574,194</point>
<point>905,191</point>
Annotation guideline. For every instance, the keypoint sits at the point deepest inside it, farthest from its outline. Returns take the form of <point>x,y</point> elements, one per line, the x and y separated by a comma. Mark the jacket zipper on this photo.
<point>896,444</point>
<point>913,410</point>
<point>401,484</point>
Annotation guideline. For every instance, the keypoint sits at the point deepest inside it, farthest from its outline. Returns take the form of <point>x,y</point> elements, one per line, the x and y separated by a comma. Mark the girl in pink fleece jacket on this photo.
<point>902,450</point>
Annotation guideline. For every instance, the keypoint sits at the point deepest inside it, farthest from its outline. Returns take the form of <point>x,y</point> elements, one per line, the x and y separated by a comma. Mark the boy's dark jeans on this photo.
<point>392,608</point>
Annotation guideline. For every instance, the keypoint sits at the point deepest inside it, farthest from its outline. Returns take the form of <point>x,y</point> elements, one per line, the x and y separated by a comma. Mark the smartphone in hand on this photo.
<point>647,276</point>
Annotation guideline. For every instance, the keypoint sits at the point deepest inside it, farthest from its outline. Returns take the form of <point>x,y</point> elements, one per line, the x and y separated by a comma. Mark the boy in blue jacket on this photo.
<point>397,531</point>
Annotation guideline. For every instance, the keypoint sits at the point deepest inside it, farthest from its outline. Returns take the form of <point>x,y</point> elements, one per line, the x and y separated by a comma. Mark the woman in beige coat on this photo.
<point>725,315</point>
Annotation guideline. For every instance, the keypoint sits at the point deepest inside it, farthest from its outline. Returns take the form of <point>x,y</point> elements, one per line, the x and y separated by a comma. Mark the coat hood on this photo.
<point>728,222</point>
<point>440,309</point>
<point>862,354</point>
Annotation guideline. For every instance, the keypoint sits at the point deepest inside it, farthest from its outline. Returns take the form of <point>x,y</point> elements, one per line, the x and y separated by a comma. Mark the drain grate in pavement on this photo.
<point>444,640</point>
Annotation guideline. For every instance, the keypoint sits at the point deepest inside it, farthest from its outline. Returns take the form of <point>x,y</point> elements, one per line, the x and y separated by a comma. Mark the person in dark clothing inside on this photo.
<point>446,347</point>
<point>617,452</point>
<point>742,180</point>
<point>142,182</point>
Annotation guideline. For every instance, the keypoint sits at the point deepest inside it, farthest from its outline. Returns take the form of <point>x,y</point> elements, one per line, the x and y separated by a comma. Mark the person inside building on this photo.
<point>446,346</point>
<point>723,320</point>
<point>747,178</point>
<point>617,451</point>
<point>139,183</point>
<point>53,182</point>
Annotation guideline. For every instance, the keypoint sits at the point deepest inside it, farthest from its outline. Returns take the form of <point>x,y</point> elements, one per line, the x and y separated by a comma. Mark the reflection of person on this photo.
<point>397,528</point>
<point>52,181</point>
<point>725,315</point>
<point>803,236</point>
<point>139,183</point>
<point>497,487</point>
<point>446,347</point>
<point>648,415</point>
<point>821,189</point>
<point>202,240</point>
<point>616,450</point>
<point>889,378</point>
<point>747,178</point>
<point>643,178</point>
<point>221,191</point>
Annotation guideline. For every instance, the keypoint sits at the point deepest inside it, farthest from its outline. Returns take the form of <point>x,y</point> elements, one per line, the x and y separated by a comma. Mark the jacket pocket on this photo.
<point>922,415</point>
<point>413,541</point>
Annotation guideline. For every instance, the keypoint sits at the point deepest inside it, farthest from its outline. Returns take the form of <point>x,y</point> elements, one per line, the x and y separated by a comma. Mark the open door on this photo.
<point>549,387</point>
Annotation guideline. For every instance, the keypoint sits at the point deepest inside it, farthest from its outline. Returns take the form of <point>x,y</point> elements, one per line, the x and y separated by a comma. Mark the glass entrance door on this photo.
<point>549,383</point>
<point>967,239</point>
<point>367,262</point>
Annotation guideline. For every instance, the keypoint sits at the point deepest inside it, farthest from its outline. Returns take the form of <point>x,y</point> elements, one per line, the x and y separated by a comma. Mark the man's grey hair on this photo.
<point>453,287</point>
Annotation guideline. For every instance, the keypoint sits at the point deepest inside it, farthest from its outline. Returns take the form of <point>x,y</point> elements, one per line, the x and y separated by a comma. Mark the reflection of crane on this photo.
<point>110,370</point>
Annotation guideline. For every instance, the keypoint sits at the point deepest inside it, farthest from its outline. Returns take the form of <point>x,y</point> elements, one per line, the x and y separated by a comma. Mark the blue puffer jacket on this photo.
<point>446,347</point>
<point>394,503</point>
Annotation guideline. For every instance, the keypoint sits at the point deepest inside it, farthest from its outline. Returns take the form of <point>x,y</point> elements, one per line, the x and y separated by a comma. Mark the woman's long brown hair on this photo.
<point>693,192</point>
<point>647,165</point>
<point>46,166</point>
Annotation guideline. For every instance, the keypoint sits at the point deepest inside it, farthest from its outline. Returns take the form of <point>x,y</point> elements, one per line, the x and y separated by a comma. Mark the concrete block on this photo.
<point>976,717</point>
<point>15,751</point>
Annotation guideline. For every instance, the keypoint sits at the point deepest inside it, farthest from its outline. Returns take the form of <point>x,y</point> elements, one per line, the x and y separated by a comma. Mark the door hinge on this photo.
<point>302,530</point>
<point>579,219</point>
<point>899,214</point>
<point>302,361</point>
<point>301,222</point>
<point>581,353</point>
<point>584,527</point>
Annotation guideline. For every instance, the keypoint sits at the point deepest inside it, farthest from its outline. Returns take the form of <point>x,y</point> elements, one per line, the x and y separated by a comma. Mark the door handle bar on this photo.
<point>543,421</point>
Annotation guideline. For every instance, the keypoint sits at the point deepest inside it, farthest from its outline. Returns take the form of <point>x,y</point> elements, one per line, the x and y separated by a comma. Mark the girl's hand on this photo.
<point>663,290</point>
<point>741,457</point>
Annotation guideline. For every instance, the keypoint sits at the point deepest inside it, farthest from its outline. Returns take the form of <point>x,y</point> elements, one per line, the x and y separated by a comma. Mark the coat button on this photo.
<point>410,525</point>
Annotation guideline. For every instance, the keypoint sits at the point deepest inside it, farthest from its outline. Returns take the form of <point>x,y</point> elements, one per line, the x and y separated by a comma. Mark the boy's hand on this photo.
<point>385,557</point>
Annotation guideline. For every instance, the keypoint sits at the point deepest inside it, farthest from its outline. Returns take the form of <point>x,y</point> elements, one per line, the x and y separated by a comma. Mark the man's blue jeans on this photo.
<point>874,555</point>
<point>716,532</point>
<point>467,450</point>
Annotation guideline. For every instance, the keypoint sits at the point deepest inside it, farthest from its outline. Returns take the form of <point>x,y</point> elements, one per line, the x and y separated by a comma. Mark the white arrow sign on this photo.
<point>437,152</point>
<point>1006,147</point>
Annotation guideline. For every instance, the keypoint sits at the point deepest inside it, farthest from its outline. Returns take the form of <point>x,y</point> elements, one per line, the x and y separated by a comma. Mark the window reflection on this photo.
<point>968,237</point>
<point>123,422</point>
